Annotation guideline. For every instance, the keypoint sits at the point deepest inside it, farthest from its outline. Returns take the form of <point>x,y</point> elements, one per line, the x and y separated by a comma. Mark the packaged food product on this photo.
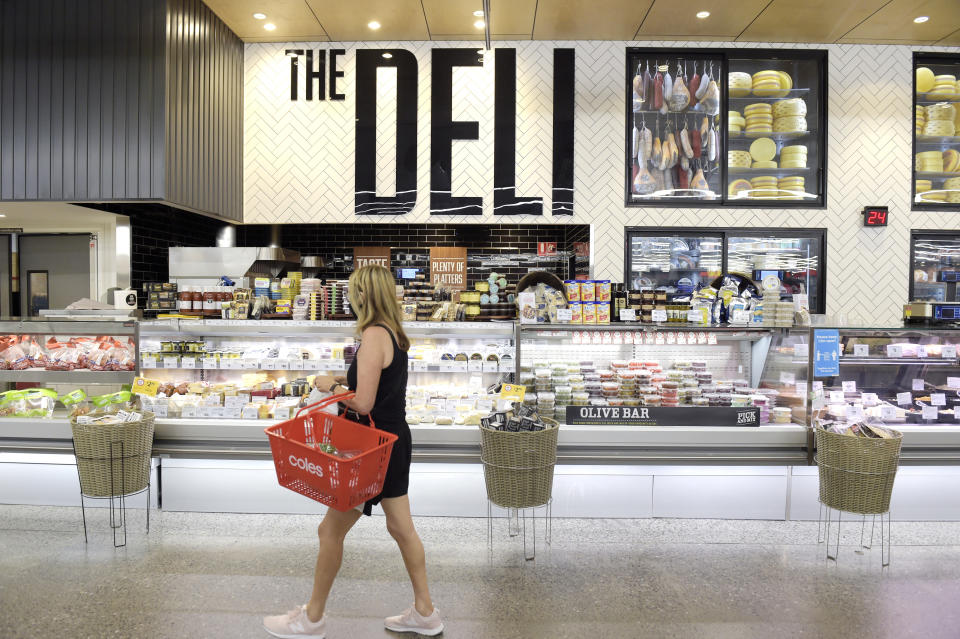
<point>602,312</point>
<point>588,312</point>
<point>572,288</point>
<point>602,290</point>
<point>588,291</point>
<point>576,312</point>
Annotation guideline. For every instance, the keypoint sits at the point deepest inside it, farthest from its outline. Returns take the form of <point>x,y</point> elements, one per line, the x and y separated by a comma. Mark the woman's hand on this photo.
<point>325,382</point>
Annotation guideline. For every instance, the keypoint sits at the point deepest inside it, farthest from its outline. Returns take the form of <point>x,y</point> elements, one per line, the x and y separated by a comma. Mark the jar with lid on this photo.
<point>185,299</point>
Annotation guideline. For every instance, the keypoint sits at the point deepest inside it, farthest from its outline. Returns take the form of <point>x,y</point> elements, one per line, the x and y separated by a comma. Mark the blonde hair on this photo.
<point>373,297</point>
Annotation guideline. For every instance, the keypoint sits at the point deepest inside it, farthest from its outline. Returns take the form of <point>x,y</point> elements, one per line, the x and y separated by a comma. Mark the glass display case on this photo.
<point>682,259</point>
<point>936,142</point>
<point>934,266</point>
<point>761,142</point>
<point>776,151</point>
<point>674,126</point>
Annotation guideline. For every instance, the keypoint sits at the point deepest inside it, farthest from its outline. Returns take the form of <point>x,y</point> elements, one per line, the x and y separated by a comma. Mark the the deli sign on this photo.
<point>312,73</point>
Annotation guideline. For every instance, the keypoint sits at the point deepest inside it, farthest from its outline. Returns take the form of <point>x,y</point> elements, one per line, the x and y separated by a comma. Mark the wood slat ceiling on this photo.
<point>852,21</point>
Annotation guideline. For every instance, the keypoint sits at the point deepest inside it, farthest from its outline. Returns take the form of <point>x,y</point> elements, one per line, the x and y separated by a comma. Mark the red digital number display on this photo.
<point>877,216</point>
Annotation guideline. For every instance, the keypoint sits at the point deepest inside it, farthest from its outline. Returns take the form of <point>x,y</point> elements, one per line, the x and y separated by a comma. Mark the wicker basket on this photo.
<point>518,467</point>
<point>132,450</point>
<point>857,473</point>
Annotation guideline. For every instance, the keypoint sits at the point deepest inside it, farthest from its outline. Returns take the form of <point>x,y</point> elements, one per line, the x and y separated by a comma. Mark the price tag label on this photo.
<point>953,382</point>
<point>888,413</point>
<point>836,397</point>
<point>671,337</point>
<point>295,364</point>
<point>929,413</point>
<point>268,364</point>
<point>787,378</point>
<point>921,351</point>
<point>938,399</point>
<point>160,410</point>
<point>311,364</point>
<point>949,351</point>
<point>148,387</point>
<point>801,350</point>
<point>232,412</point>
<point>695,316</point>
<point>490,367</point>
<point>204,412</point>
<point>854,413</point>
<point>861,350</point>
<point>148,362</point>
<point>248,363</point>
<point>281,412</point>
<point>628,315</point>
<point>506,367</point>
<point>460,367</point>
<point>818,388</point>
<point>234,401</point>
<point>283,364</point>
<point>742,317</point>
<point>475,366</point>
<point>211,362</point>
<point>712,339</point>
<point>628,337</point>
<point>259,399</point>
<point>564,315</point>
<point>894,350</point>
<point>681,339</point>
<point>870,399</point>
<point>904,399</point>
<point>849,387</point>
<point>249,412</point>
<point>800,388</point>
<point>512,392</point>
<point>917,385</point>
<point>217,412</point>
<point>659,315</point>
<point>188,362</point>
<point>189,412</point>
<point>171,362</point>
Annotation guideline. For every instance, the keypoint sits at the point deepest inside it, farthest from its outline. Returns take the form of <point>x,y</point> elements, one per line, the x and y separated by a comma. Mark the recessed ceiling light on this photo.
<point>3,215</point>
<point>292,53</point>
<point>260,16</point>
<point>703,14</point>
<point>921,19</point>
<point>478,14</point>
<point>479,24</point>
<point>269,26</point>
<point>388,55</point>
<point>373,24</point>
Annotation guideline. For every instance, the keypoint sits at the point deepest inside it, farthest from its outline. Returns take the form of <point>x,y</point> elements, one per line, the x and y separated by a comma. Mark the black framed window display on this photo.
<point>934,266</point>
<point>936,141</point>
<point>744,128</point>
<point>681,260</point>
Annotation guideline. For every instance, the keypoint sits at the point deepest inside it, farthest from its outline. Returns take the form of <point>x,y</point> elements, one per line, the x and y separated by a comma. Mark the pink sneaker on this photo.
<point>413,621</point>
<point>295,624</point>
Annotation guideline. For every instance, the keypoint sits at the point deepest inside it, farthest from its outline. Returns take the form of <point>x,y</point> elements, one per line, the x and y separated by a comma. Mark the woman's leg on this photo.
<point>331,531</point>
<point>400,526</point>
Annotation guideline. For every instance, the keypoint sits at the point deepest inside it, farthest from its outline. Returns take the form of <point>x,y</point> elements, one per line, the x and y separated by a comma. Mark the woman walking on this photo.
<point>378,377</point>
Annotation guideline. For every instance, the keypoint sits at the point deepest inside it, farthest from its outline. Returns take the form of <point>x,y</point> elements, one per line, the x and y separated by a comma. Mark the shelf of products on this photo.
<point>935,266</point>
<point>768,126</point>
<point>936,147</point>
<point>679,261</point>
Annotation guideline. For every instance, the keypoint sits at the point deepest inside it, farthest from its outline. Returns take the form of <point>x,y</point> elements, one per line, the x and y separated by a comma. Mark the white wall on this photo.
<point>298,156</point>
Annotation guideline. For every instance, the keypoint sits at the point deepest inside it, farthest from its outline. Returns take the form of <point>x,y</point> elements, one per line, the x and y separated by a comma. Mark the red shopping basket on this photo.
<point>334,481</point>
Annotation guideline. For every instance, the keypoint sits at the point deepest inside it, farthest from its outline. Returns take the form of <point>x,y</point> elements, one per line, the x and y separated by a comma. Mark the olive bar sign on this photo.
<point>660,416</point>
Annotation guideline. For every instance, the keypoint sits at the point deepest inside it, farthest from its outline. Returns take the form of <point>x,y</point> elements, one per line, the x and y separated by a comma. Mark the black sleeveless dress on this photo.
<point>390,414</point>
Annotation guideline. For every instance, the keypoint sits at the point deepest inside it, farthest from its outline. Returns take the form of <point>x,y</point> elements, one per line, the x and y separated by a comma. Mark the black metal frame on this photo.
<point>914,235</point>
<point>918,60</point>
<point>760,55</point>
<point>738,231</point>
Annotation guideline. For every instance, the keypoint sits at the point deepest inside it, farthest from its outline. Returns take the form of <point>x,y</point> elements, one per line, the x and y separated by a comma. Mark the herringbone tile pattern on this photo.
<point>299,157</point>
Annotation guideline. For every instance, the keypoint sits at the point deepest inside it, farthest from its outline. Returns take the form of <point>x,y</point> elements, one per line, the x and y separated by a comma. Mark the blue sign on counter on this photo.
<point>826,352</point>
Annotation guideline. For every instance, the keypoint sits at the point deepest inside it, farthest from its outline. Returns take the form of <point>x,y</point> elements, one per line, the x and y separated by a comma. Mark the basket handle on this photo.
<point>333,399</point>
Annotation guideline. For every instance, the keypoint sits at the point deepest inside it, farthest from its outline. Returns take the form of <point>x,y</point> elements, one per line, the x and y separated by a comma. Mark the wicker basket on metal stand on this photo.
<point>518,470</point>
<point>113,461</point>
<point>856,476</point>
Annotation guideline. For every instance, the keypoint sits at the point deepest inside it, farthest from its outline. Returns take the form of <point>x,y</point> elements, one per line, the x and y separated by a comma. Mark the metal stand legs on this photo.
<point>825,535</point>
<point>517,525</point>
<point>118,499</point>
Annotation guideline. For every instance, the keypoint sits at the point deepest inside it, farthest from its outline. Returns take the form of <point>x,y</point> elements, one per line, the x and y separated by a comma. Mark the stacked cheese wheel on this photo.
<point>759,118</point>
<point>765,187</point>
<point>789,116</point>
<point>735,122</point>
<point>952,186</point>
<point>772,84</point>
<point>940,120</point>
<point>738,187</point>
<point>951,161</point>
<point>925,80</point>
<point>945,85</point>
<point>739,84</point>
<point>793,157</point>
<point>921,119</point>
<point>929,161</point>
<point>739,159</point>
<point>791,187</point>
<point>762,152</point>
<point>924,194</point>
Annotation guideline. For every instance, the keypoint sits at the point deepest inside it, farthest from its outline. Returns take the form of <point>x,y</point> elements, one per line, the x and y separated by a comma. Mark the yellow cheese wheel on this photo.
<point>941,111</point>
<point>764,165</point>
<point>737,186</point>
<point>938,128</point>
<point>925,79</point>
<point>794,148</point>
<point>739,159</point>
<point>951,161</point>
<point>786,81</point>
<point>933,197</point>
<point>739,92</point>
<point>759,119</point>
<point>787,164</point>
<point>923,155</point>
<point>763,149</point>
<point>739,79</point>
<point>790,124</point>
<point>765,75</point>
<point>733,128</point>
<point>952,183</point>
<point>923,185</point>
<point>795,106</point>
<point>758,107</point>
<point>944,78</point>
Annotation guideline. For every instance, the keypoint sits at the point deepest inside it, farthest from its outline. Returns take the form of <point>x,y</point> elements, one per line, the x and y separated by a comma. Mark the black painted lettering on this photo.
<point>334,74</point>
<point>505,200</point>
<point>294,64</point>
<point>316,74</point>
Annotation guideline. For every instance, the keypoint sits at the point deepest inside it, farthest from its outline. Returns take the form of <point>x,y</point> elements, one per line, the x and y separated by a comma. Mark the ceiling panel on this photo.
<point>952,39</point>
<point>501,37</point>
<point>347,20</point>
<point>588,19</point>
<point>809,20</point>
<point>895,20</point>
<point>456,16</point>
<point>292,17</point>
<point>679,18</point>
<point>288,38</point>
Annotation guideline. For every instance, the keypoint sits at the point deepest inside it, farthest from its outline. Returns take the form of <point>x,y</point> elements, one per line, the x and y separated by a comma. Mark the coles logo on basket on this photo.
<point>308,466</point>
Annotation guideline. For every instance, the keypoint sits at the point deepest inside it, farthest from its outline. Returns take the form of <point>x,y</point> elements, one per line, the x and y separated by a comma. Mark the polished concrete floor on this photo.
<point>213,575</point>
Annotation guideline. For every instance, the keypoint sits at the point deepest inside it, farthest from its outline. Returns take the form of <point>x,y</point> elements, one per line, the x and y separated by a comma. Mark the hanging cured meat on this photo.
<point>694,85</point>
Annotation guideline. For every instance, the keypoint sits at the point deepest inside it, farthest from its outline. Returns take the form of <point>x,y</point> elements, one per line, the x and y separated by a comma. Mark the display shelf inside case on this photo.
<point>936,115</point>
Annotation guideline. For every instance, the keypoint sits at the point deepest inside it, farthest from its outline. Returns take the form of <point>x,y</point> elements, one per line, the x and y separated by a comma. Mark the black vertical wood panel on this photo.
<point>81,89</point>
<point>204,111</point>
